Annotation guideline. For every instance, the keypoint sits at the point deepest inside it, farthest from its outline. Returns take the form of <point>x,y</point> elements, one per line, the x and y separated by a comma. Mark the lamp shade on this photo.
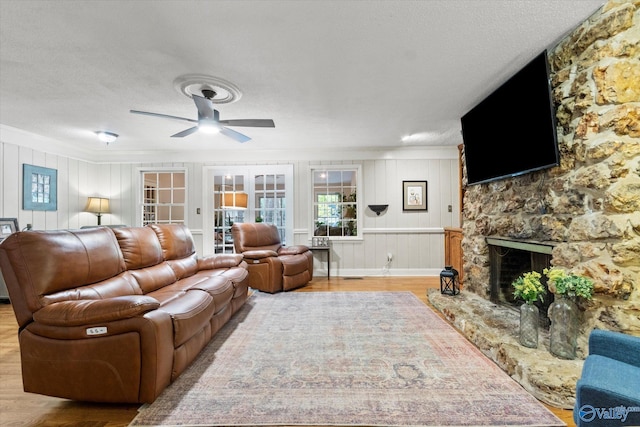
<point>97,205</point>
<point>234,200</point>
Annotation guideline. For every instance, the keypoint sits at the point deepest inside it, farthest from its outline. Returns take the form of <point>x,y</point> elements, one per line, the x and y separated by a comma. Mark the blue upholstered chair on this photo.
<point>608,391</point>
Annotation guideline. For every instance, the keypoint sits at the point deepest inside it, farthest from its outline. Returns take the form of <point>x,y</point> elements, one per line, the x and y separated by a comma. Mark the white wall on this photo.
<point>414,238</point>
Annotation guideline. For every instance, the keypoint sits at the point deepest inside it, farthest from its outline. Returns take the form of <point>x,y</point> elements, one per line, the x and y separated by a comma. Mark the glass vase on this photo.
<point>529,325</point>
<point>563,332</point>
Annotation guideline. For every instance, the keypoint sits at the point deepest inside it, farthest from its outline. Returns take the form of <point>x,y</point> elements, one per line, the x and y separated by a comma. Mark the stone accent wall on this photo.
<point>589,205</point>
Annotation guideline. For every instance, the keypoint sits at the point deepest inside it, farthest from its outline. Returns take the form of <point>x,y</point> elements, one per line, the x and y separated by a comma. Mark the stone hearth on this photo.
<point>493,329</point>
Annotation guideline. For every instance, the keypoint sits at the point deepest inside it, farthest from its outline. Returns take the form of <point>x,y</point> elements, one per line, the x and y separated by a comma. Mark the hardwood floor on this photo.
<point>18,408</point>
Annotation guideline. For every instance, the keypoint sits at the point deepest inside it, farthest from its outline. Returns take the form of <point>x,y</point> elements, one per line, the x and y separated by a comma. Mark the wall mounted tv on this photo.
<point>513,130</point>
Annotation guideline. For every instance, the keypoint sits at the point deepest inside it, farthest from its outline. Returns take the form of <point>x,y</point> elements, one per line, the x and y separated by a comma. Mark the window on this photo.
<point>163,197</point>
<point>335,201</point>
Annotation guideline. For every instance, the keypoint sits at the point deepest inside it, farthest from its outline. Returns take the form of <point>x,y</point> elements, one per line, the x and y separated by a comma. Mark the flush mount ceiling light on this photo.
<point>106,137</point>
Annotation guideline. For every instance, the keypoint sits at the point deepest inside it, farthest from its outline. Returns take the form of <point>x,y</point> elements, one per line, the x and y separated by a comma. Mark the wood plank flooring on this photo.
<point>18,408</point>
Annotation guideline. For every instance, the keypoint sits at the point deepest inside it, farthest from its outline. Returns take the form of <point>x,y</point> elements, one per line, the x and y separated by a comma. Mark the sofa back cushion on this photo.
<point>178,248</point>
<point>255,236</point>
<point>43,263</point>
<point>175,239</point>
<point>144,258</point>
<point>140,247</point>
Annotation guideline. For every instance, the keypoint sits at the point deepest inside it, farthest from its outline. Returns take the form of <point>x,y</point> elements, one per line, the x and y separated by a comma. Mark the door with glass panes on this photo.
<point>246,194</point>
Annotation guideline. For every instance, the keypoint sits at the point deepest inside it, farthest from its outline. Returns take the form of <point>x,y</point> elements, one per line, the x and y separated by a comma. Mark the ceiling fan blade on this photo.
<point>185,132</point>
<point>235,135</point>
<point>205,107</point>
<point>166,116</point>
<point>256,123</point>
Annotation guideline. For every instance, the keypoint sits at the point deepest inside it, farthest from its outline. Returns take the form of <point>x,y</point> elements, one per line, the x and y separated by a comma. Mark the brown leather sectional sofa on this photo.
<point>115,315</point>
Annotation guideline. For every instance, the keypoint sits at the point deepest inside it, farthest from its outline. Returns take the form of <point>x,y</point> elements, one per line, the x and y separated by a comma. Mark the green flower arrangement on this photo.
<point>529,288</point>
<point>571,285</point>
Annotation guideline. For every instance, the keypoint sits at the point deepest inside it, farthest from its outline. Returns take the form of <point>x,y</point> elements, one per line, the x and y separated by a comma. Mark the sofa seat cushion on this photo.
<point>219,287</point>
<point>190,312</point>
<point>293,265</point>
<point>235,274</point>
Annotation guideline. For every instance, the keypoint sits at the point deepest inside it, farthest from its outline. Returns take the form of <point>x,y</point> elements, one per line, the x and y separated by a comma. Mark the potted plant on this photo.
<point>529,288</point>
<point>563,312</point>
<point>570,285</point>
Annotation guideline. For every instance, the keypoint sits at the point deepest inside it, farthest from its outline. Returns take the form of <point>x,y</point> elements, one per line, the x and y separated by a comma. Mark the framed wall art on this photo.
<point>7,226</point>
<point>39,188</point>
<point>414,195</point>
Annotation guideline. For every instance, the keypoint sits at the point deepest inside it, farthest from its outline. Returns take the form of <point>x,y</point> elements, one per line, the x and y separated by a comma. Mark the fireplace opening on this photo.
<point>511,258</point>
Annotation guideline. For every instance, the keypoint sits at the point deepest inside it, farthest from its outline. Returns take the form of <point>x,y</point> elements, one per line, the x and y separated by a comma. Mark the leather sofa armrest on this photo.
<point>260,254</point>
<point>85,312</point>
<point>212,262</point>
<point>292,250</point>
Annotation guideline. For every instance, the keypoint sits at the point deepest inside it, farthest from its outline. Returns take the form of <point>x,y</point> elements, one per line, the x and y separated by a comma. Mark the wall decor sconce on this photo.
<point>378,209</point>
<point>98,206</point>
<point>106,137</point>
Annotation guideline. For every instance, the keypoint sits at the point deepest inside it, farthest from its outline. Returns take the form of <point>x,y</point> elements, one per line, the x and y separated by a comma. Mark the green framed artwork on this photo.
<point>39,188</point>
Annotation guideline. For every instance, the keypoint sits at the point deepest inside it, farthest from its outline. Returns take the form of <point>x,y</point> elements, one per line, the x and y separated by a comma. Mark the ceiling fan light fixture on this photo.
<point>208,127</point>
<point>106,137</point>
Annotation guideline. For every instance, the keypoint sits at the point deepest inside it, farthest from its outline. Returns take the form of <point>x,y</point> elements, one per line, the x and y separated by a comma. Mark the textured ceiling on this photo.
<point>333,75</point>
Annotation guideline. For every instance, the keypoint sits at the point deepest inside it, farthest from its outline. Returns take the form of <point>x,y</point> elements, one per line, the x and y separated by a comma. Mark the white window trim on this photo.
<point>359,192</point>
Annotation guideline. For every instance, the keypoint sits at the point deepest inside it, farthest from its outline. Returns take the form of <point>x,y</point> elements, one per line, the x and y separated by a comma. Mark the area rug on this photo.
<point>342,358</point>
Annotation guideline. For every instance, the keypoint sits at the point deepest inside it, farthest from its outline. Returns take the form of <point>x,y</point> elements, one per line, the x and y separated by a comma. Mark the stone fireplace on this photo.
<point>586,210</point>
<point>509,259</point>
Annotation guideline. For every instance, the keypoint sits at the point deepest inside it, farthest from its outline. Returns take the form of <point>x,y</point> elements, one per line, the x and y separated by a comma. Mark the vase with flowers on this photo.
<point>563,312</point>
<point>529,288</point>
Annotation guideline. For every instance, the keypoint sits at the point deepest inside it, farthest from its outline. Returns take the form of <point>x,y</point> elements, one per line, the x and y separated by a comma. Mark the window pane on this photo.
<point>151,179</point>
<point>177,213</point>
<point>164,196</point>
<point>178,196</point>
<point>319,178</point>
<point>178,180</point>
<point>164,180</point>
<point>164,213</point>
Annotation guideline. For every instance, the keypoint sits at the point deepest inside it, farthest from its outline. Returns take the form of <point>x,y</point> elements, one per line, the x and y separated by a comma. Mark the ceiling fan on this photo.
<point>209,119</point>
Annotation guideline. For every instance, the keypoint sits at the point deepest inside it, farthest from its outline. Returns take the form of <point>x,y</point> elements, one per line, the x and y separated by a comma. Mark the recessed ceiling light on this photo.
<point>420,137</point>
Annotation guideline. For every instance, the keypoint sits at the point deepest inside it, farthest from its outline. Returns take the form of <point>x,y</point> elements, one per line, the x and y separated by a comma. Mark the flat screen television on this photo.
<point>513,130</point>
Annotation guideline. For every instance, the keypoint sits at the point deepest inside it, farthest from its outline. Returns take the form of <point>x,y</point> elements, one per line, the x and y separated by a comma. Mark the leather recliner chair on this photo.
<point>272,267</point>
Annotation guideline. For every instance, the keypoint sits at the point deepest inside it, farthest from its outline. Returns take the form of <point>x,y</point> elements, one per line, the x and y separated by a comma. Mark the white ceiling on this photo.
<point>333,75</point>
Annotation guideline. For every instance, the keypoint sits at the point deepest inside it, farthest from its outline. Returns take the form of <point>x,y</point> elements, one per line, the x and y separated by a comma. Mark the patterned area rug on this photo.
<point>342,358</point>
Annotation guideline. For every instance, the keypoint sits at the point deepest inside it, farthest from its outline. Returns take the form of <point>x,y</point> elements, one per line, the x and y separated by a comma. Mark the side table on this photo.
<point>326,249</point>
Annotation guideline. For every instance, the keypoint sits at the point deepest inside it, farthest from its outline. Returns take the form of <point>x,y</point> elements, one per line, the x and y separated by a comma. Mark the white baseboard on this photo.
<point>392,272</point>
